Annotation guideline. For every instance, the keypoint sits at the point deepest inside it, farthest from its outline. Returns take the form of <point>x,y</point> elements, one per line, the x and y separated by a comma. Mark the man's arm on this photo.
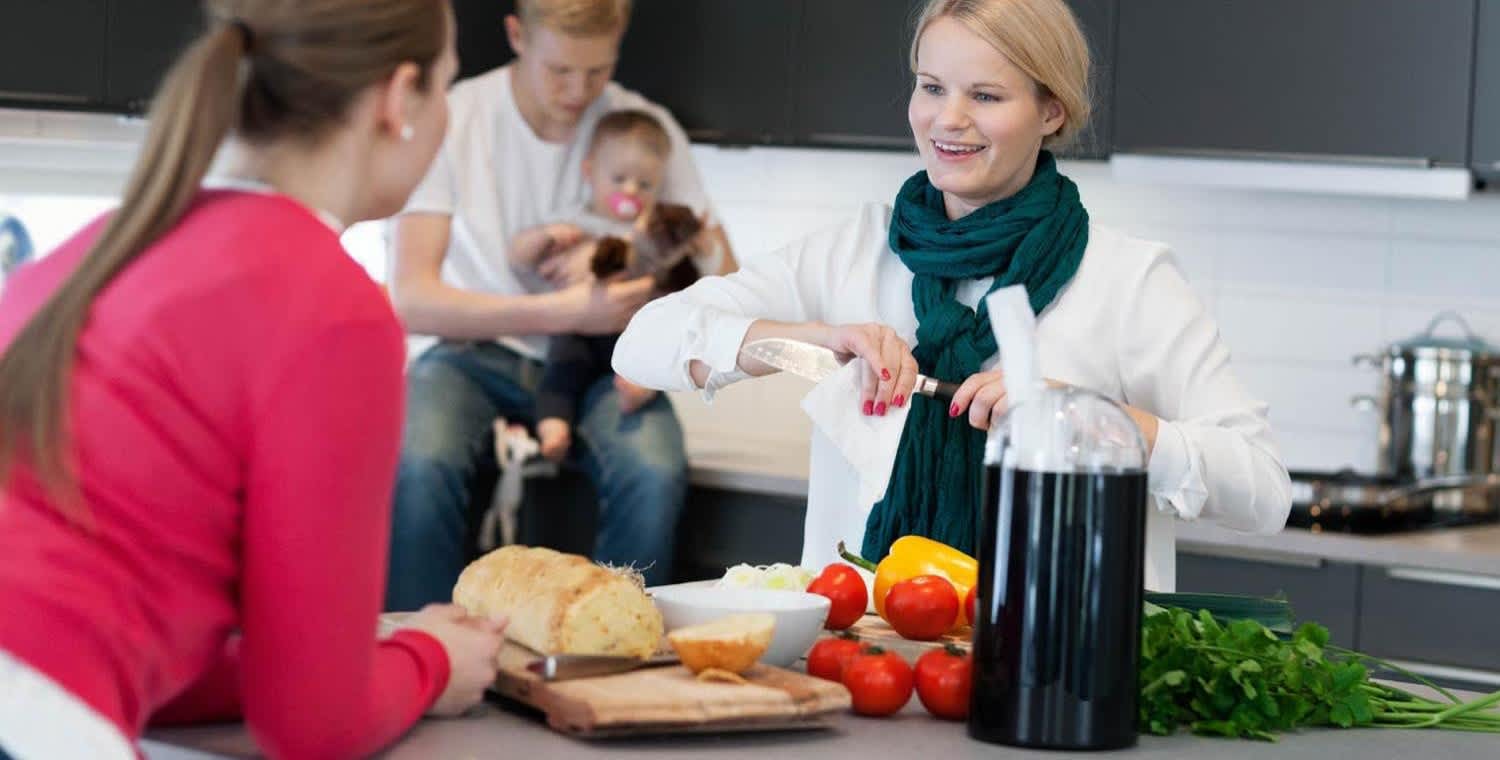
<point>430,306</point>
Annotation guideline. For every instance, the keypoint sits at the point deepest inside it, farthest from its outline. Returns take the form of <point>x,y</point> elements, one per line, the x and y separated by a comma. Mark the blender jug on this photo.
<point>1061,562</point>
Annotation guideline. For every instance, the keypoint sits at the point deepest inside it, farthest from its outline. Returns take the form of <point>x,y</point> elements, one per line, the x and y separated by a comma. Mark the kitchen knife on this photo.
<point>562,667</point>
<point>817,363</point>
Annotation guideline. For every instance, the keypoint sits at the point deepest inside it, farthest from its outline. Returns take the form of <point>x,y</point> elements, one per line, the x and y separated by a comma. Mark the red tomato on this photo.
<point>880,682</point>
<point>944,678</point>
<point>828,658</point>
<point>922,608</point>
<point>844,587</point>
<point>969,604</point>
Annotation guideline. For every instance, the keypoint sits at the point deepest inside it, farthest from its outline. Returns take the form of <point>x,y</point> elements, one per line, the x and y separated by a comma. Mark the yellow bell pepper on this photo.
<point>911,556</point>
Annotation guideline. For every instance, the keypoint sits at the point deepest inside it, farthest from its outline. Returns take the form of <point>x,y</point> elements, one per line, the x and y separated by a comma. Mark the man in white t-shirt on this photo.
<point>511,161</point>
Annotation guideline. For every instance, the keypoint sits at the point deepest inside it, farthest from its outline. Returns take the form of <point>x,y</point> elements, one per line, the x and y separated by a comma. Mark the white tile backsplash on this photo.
<point>1266,325</point>
<point>1440,269</point>
<point>1299,283</point>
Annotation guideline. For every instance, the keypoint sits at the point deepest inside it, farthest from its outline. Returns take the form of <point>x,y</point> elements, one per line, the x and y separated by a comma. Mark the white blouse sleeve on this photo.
<point>1214,457</point>
<point>708,322</point>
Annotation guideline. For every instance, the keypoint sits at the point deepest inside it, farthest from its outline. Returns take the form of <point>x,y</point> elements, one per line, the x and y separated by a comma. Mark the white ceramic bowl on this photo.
<point>799,615</point>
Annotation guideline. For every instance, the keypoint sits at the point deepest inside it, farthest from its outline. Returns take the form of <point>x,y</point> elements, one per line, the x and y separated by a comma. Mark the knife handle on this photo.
<point>935,388</point>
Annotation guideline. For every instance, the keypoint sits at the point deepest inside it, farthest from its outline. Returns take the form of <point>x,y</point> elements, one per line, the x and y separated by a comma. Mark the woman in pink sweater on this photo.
<point>200,408</point>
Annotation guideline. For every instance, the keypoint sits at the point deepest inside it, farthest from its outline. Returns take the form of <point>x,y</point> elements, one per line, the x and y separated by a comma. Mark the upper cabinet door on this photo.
<point>1097,18</point>
<point>1486,132</point>
<point>52,53</point>
<point>1354,78</point>
<point>481,40</point>
<point>145,38</point>
<point>853,77</point>
<point>722,67</point>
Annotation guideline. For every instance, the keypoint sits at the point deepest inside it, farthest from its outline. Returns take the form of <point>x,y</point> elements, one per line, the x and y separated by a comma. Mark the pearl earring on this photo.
<point>407,133</point>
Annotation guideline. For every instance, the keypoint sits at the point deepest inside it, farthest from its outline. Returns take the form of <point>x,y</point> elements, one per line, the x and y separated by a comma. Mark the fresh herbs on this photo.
<point>1237,678</point>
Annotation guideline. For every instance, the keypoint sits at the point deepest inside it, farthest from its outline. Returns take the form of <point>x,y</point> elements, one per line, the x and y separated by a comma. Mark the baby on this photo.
<point>630,235</point>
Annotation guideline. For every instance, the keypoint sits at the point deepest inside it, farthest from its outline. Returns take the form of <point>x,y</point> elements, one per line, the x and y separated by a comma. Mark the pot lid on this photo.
<point>1429,339</point>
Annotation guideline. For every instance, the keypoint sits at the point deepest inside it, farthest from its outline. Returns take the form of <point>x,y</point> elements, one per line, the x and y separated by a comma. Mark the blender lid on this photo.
<point>1069,430</point>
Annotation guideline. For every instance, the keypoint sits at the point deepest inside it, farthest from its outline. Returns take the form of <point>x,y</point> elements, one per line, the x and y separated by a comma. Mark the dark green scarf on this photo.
<point>1033,238</point>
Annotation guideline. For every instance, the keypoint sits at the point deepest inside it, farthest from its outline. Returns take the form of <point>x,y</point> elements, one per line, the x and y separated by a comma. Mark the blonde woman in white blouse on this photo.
<point>996,81</point>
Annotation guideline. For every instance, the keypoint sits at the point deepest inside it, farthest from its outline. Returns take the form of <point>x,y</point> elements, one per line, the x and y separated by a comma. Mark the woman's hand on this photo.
<point>982,396</point>
<point>892,370</point>
<point>473,648</point>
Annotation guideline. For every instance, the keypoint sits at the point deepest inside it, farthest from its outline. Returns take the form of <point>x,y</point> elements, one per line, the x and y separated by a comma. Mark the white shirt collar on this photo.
<point>247,185</point>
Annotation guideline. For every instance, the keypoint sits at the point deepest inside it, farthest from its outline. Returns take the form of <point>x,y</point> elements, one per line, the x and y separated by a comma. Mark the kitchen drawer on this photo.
<point>1431,617</point>
<point>1320,591</point>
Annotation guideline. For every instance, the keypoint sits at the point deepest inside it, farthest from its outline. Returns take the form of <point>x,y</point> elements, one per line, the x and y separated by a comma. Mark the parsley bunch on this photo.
<point>1239,679</point>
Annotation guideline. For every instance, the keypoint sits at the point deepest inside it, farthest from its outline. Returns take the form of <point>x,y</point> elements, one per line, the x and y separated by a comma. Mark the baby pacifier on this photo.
<point>624,205</point>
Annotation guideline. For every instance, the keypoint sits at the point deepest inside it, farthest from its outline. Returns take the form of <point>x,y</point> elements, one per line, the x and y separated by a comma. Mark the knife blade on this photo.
<point>817,363</point>
<point>563,667</point>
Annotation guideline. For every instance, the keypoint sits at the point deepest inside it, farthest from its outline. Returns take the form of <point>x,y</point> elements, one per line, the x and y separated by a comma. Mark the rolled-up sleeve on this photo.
<point>1215,457</point>
<point>707,322</point>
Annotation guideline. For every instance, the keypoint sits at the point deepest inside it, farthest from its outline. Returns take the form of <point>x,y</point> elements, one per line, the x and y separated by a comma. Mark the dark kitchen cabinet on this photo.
<point>1098,19</point>
<point>1355,78</point>
<point>853,72</point>
<point>52,53</point>
<point>1327,592</point>
<point>480,35</point>
<point>1485,143</point>
<point>1431,617</point>
<point>854,76</point>
<point>145,37</point>
<point>722,67</point>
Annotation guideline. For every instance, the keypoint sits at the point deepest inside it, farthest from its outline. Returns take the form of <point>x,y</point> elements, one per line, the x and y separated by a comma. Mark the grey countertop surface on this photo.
<point>782,471</point>
<point>501,732</point>
<point>513,732</point>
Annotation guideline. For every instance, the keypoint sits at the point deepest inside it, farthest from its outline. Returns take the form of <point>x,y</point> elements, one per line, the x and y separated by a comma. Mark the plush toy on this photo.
<point>661,247</point>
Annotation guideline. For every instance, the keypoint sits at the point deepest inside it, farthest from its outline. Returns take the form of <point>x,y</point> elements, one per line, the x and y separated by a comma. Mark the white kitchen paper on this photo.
<point>868,442</point>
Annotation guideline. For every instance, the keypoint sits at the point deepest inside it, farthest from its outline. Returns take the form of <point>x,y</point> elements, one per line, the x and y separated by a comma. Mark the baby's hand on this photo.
<point>556,438</point>
<point>632,396</point>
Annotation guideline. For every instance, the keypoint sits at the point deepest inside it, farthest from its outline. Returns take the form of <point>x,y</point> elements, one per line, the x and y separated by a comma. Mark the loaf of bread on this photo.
<point>560,603</point>
<point>731,644</point>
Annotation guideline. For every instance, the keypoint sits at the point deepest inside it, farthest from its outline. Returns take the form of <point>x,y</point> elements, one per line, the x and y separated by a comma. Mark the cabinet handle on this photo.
<point>1471,675</point>
<point>1255,555</point>
<point>838,138</point>
<point>43,97</point>
<point>1444,578</point>
<point>1402,162</point>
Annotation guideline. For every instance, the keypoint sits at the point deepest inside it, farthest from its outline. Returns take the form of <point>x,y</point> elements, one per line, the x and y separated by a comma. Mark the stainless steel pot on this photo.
<point>1439,406</point>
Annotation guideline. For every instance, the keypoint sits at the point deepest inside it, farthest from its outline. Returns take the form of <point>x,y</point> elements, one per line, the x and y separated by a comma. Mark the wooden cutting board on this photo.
<point>665,700</point>
<point>872,629</point>
<point>669,700</point>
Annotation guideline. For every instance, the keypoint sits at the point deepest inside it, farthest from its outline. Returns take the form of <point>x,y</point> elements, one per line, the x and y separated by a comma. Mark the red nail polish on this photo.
<point>869,407</point>
<point>900,400</point>
<point>885,374</point>
<point>953,410</point>
<point>880,409</point>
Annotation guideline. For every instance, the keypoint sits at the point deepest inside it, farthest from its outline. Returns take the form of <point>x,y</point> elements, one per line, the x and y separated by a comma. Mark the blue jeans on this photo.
<point>454,393</point>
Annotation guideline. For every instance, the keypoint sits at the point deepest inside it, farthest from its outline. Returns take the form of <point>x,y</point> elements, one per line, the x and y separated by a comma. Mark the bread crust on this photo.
<point>560,603</point>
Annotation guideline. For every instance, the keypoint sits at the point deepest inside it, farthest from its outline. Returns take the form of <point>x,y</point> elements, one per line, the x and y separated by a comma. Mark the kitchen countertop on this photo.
<point>501,732</point>
<point>781,470</point>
